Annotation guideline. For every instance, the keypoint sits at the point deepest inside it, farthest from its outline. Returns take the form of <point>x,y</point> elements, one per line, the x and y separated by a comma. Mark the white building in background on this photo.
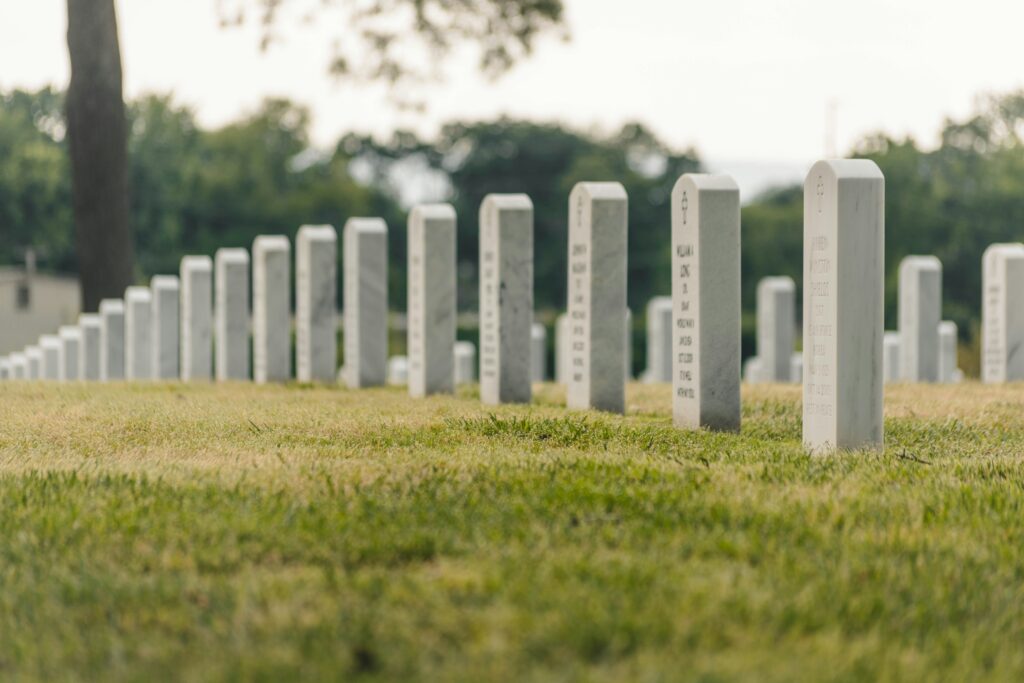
<point>33,304</point>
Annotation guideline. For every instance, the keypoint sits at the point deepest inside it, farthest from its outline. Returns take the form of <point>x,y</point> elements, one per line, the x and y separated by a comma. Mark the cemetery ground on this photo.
<point>167,531</point>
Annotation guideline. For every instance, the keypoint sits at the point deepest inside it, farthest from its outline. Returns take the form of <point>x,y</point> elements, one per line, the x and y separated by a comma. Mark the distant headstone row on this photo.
<point>924,348</point>
<point>196,325</point>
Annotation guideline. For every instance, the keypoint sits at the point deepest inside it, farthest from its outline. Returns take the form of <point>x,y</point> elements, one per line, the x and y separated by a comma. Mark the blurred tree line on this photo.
<point>195,190</point>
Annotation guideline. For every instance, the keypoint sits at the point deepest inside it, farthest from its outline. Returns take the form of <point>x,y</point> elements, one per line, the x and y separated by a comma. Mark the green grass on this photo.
<point>169,532</point>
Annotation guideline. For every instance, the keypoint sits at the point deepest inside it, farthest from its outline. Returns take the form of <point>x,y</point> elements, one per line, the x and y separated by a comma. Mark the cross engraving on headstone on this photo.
<point>820,192</point>
<point>704,363</point>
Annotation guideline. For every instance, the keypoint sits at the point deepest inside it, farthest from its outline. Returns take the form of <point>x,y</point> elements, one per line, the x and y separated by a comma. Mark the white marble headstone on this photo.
<point>231,314</point>
<point>920,309</point>
<point>598,225</point>
<point>659,340</point>
<point>19,366</point>
<point>431,299</point>
<point>138,326</point>
<point>1002,314</point>
<point>71,348</point>
<point>52,349</point>
<point>196,318</point>
<point>34,362</point>
<point>271,309</point>
<point>891,357</point>
<point>316,304</point>
<point>844,287</point>
<point>90,348</point>
<point>464,360</point>
<point>776,326</point>
<point>752,370</point>
<point>164,337</point>
<point>538,353</point>
<point>947,351</point>
<point>506,298</point>
<point>796,368</point>
<point>366,302</point>
<point>398,371</point>
<point>705,359</point>
<point>111,340</point>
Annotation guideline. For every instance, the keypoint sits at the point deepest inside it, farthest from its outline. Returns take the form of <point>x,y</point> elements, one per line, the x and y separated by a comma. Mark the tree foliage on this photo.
<point>193,190</point>
<point>395,41</point>
<point>35,179</point>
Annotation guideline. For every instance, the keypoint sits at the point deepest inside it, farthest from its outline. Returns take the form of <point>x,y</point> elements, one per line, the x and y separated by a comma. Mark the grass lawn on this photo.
<point>197,533</point>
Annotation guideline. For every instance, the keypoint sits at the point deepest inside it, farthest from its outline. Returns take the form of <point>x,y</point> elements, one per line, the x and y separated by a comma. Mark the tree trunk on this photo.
<point>98,142</point>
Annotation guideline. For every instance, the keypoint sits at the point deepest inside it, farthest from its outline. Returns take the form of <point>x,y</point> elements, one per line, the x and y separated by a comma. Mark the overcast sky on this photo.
<point>742,80</point>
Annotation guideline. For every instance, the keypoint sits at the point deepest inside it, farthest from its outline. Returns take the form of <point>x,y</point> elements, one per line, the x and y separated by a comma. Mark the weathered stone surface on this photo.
<point>598,219</point>
<point>71,345</point>
<point>464,360</point>
<point>506,298</point>
<point>165,321</point>
<point>90,348</point>
<point>659,340</point>
<point>231,314</point>
<point>776,327</point>
<point>431,299</point>
<point>271,309</point>
<point>111,340</point>
<point>538,353</point>
<point>705,305</point>
<point>138,328</point>
<point>366,302</point>
<point>196,318</point>
<point>920,309</point>
<point>316,303</point>
<point>844,281</point>
<point>1002,314</point>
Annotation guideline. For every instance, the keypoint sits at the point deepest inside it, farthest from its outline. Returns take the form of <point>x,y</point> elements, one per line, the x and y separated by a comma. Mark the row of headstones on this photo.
<point>843,300</point>
<point>843,256</point>
<point>924,349</point>
<point>196,325</point>
<point>930,354</point>
<point>163,290</point>
<point>167,331</point>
